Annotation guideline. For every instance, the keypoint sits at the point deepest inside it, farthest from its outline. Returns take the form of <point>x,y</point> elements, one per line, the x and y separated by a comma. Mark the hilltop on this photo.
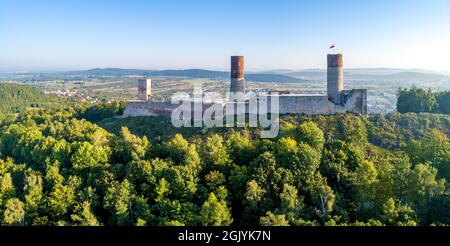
<point>17,97</point>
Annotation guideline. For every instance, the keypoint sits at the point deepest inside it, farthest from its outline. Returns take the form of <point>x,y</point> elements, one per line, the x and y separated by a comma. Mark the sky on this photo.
<point>180,34</point>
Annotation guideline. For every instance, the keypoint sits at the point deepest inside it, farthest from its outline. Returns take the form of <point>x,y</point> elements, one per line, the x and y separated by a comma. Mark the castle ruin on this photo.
<point>337,100</point>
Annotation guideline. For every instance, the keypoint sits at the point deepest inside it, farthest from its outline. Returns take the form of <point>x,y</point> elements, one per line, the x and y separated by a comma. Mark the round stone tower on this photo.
<point>237,74</point>
<point>335,77</point>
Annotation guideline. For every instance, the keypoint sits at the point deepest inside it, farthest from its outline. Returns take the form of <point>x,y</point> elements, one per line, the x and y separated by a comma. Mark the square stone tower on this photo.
<point>144,89</point>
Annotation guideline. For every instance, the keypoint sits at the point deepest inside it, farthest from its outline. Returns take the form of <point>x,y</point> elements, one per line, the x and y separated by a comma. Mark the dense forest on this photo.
<point>419,100</point>
<point>15,98</point>
<point>80,165</point>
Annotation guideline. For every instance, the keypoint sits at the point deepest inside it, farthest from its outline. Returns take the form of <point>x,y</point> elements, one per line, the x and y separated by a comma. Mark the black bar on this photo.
<point>302,235</point>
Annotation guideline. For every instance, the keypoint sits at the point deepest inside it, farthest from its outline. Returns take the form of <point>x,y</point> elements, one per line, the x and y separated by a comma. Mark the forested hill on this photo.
<point>82,165</point>
<point>57,168</point>
<point>15,98</point>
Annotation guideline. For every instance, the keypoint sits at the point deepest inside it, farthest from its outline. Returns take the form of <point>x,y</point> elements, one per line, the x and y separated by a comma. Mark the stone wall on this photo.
<point>148,108</point>
<point>152,108</point>
<point>353,101</point>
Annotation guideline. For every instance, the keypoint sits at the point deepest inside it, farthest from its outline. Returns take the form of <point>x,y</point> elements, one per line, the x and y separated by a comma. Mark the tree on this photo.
<point>215,213</point>
<point>183,212</point>
<point>254,194</point>
<point>25,140</point>
<point>273,220</point>
<point>84,216</point>
<point>415,100</point>
<point>88,156</point>
<point>400,174</point>
<point>181,152</point>
<point>443,101</point>
<point>6,165</point>
<point>49,149</point>
<point>256,202</point>
<point>63,197</point>
<point>289,199</point>
<point>183,181</point>
<point>291,204</point>
<point>141,172</point>
<point>33,191</point>
<point>440,209</point>
<point>433,148</point>
<point>215,179</point>
<point>52,176</point>
<point>14,213</point>
<point>305,165</point>
<point>214,153</point>
<point>310,134</point>
<point>322,196</point>
<point>102,111</point>
<point>128,147</point>
<point>266,172</point>
<point>398,214</point>
<point>142,212</point>
<point>173,223</point>
<point>366,178</point>
<point>118,200</point>
<point>240,148</point>
<point>423,186</point>
<point>339,162</point>
<point>7,190</point>
<point>162,190</point>
<point>237,182</point>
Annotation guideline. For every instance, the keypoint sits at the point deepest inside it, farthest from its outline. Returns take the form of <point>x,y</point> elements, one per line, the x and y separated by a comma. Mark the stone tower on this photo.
<point>237,74</point>
<point>335,78</point>
<point>144,89</point>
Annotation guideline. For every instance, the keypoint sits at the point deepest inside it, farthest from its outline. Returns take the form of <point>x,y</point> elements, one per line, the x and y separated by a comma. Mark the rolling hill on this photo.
<point>379,74</point>
<point>16,98</point>
<point>189,73</point>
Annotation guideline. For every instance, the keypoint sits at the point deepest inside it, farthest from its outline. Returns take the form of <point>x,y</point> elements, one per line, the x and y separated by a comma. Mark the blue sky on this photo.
<point>282,34</point>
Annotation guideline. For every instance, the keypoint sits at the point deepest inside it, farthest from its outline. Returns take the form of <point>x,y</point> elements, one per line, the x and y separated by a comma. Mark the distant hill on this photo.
<point>189,73</point>
<point>112,72</point>
<point>279,71</point>
<point>198,73</point>
<point>401,76</point>
<point>284,75</point>
<point>15,98</point>
<point>381,74</point>
<point>386,71</point>
<point>276,76</point>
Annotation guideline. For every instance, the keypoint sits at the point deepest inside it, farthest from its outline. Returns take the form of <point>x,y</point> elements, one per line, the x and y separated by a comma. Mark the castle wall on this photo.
<point>153,108</point>
<point>148,108</point>
<point>354,101</point>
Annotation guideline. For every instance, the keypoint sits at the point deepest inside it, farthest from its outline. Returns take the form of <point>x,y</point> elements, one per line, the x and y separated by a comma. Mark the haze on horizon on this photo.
<point>171,34</point>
